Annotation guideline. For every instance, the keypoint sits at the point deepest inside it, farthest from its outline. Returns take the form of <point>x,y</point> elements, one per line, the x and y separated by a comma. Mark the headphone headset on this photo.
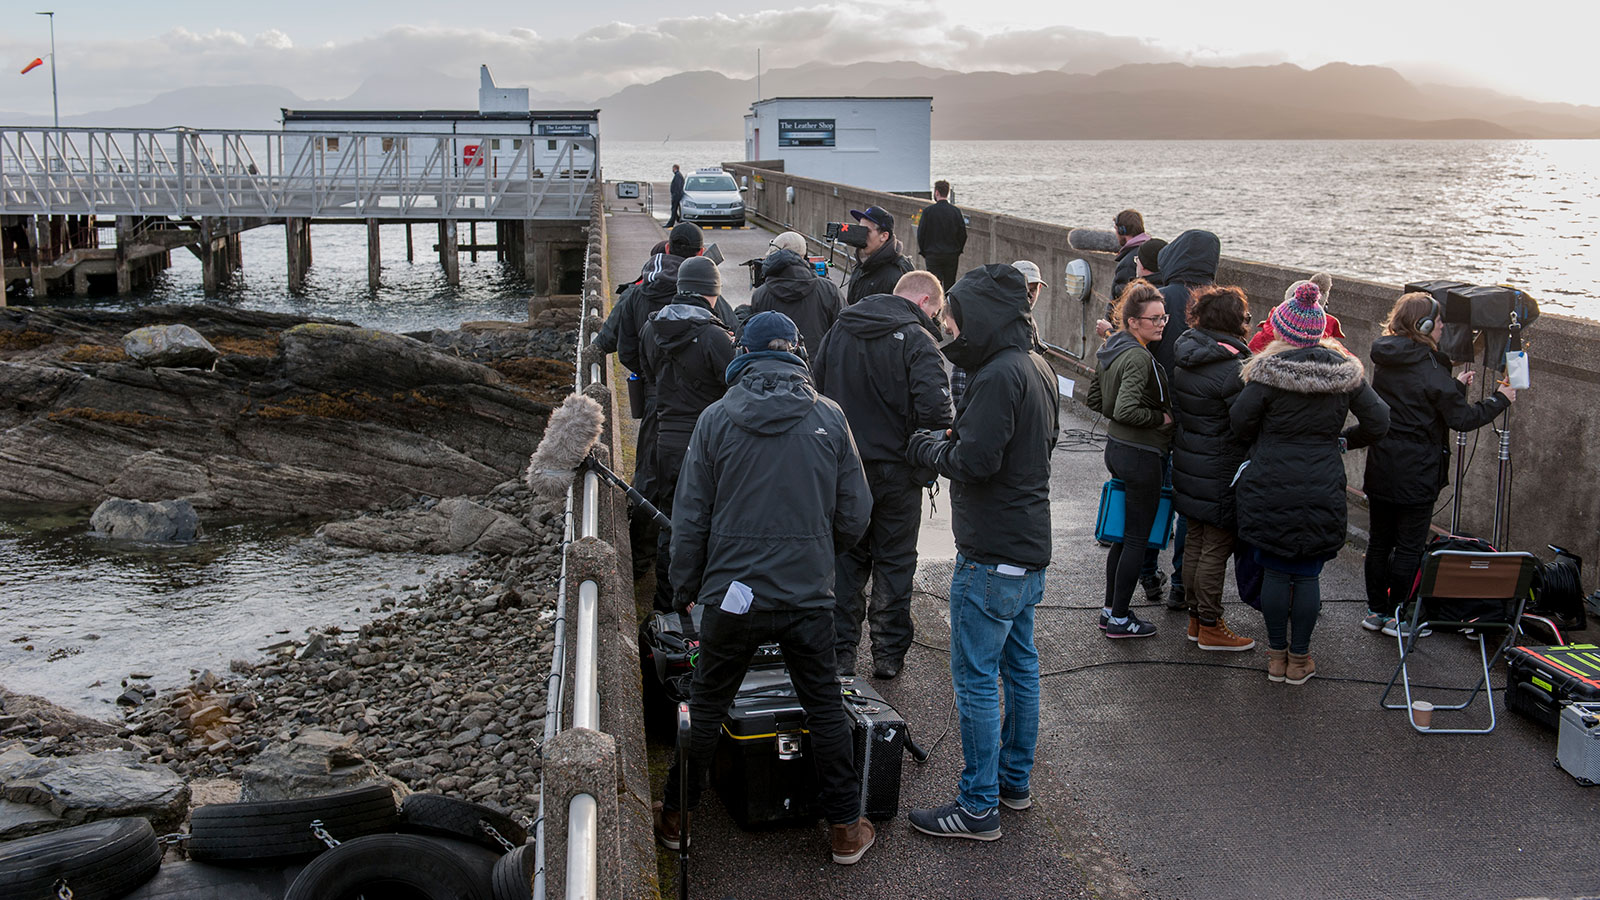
<point>1122,229</point>
<point>1429,320</point>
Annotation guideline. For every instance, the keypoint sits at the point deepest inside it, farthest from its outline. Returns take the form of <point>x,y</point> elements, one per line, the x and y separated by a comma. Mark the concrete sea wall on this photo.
<point>1555,426</point>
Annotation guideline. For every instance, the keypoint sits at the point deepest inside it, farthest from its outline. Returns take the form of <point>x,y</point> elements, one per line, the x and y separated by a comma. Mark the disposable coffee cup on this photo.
<point>1422,713</point>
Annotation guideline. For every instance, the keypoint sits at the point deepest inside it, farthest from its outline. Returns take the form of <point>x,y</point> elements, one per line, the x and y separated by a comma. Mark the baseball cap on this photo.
<point>1030,272</point>
<point>877,214</point>
<point>765,327</point>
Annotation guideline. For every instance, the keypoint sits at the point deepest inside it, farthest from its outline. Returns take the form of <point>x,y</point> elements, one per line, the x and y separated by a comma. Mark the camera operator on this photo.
<point>1408,467</point>
<point>881,262</point>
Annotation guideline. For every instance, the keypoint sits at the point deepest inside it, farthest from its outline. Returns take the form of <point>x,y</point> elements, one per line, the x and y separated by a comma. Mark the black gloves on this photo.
<point>922,448</point>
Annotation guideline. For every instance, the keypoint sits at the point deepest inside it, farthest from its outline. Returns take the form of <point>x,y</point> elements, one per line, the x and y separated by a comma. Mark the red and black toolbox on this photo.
<point>1540,679</point>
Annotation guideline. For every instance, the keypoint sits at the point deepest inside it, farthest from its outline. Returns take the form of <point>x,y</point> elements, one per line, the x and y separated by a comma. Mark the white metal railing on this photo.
<point>298,174</point>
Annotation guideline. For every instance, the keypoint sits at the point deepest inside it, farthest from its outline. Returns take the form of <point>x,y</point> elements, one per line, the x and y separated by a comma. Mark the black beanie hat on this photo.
<point>699,276</point>
<point>1148,253</point>
<point>686,239</point>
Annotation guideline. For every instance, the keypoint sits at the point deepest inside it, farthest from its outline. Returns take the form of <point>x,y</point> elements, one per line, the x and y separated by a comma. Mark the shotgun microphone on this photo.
<point>568,447</point>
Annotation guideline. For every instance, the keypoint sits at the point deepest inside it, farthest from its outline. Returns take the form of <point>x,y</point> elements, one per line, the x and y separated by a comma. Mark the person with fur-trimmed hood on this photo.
<point>1290,491</point>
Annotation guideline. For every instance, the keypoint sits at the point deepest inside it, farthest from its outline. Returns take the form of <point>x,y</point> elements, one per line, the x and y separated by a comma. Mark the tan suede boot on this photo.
<point>1277,664</point>
<point>1221,637</point>
<point>851,841</point>
<point>1301,668</point>
<point>1194,627</point>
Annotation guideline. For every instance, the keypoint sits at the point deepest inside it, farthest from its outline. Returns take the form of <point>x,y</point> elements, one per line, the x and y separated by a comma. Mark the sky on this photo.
<point>120,53</point>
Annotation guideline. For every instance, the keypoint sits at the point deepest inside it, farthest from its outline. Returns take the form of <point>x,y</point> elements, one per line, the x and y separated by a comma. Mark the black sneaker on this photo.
<point>1176,599</point>
<point>1105,619</point>
<point>1135,627</point>
<point>953,820</point>
<point>1155,587</point>
<point>1016,799</point>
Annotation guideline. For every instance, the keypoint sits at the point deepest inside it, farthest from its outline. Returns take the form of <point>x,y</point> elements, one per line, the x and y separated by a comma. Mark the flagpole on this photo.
<point>55,98</point>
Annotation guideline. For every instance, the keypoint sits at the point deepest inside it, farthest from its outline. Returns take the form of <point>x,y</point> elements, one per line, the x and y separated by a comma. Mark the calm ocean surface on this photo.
<point>1527,212</point>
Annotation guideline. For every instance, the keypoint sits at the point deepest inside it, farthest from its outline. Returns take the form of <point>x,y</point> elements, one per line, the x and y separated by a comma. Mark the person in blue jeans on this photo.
<point>997,458</point>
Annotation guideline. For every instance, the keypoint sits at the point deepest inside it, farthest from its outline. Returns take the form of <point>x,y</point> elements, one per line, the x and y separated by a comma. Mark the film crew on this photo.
<point>676,192</point>
<point>1205,454</point>
<point>1129,226</point>
<point>881,364</point>
<point>1130,390</point>
<point>942,235</point>
<point>771,490</point>
<point>997,458</point>
<point>790,285</point>
<point>1146,267</point>
<point>881,262</point>
<point>606,337</point>
<point>1324,282</point>
<point>1408,467</point>
<point>1289,493</point>
<point>686,351</point>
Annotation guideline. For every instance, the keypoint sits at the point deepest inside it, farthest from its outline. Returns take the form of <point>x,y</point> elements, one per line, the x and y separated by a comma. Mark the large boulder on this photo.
<point>453,525</point>
<point>135,520</point>
<point>311,765</point>
<point>46,793</point>
<point>321,356</point>
<point>169,346</point>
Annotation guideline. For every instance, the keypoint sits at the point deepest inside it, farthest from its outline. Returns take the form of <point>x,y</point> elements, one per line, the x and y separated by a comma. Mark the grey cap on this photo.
<point>1030,272</point>
<point>699,275</point>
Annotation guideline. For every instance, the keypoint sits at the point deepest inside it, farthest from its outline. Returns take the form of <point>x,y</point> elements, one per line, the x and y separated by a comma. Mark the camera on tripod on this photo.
<point>1496,311</point>
<point>852,234</point>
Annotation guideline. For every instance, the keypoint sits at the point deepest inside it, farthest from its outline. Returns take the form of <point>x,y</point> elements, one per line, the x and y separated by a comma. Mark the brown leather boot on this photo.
<point>1277,664</point>
<point>669,825</point>
<point>1301,668</point>
<point>850,842</point>
<point>1194,627</point>
<point>1221,637</point>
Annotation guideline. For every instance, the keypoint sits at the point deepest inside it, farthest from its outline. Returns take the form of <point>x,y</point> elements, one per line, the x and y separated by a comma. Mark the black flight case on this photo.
<point>666,664</point>
<point>1540,679</point>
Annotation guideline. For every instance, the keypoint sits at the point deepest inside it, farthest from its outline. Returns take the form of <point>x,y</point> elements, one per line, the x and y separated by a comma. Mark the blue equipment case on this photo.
<point>1113,510</point>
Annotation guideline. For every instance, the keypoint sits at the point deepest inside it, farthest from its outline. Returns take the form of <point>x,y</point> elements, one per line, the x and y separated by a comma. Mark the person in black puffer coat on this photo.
<point>1408,468</point>
<point>1290,493</point>
<point>880,264</point>
<point>1205,454</point>
<point>790,285</point>
<point>686,349</point>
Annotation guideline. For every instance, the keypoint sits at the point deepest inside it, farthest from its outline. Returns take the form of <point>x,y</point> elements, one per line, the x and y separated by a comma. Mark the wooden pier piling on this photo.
<point>374,264</point>
<point>449,254</point>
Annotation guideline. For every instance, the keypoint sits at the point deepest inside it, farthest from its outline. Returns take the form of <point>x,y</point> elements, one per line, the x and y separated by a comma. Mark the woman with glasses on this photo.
<point>1289,492</point>
<point>1130,390</point>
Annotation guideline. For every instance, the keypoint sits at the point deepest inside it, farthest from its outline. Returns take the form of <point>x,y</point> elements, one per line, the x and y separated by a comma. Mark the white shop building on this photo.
<point>880,143</point>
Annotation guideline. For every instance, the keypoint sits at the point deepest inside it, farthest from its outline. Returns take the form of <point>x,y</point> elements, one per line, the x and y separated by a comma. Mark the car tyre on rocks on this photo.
<point>513,875</point>
<point>97,861</point>
<point>449,817</point>
<point>282,829</point>
<point>398,865</point>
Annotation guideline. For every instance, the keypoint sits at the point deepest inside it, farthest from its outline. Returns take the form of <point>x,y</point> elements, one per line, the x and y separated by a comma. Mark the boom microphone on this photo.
<point>568,447</point>
<point>1092,239</point>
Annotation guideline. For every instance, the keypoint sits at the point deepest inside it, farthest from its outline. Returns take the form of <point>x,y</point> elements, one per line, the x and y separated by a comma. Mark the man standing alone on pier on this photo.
<point>942,235</point>
<point>677,195</point>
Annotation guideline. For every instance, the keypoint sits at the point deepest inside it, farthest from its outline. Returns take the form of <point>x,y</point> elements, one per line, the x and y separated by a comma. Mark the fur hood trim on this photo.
<point>1322,369</point>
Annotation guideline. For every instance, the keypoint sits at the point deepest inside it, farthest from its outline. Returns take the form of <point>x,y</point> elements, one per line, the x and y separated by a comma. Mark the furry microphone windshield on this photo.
<point>1092,239</point>
<point>572,431</point>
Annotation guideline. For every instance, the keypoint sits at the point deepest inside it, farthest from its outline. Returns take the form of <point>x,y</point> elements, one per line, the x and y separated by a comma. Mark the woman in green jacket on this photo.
<point>1130,390</point>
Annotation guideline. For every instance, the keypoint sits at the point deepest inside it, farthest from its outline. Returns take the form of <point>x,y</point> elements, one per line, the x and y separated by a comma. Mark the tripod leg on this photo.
<point>683,801</point>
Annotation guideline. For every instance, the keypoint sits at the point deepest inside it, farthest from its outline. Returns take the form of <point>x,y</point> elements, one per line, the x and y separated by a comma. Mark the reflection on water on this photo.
<point>78,614</point>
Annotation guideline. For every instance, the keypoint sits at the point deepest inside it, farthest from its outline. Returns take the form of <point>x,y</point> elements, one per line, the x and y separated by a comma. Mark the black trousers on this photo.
<point>1399,534</point>
<point>670,451</point>
<point>943,266</point>
<point>806,635</point>
<point>1140,472</point>
<point>673,218</point>
<point>642,529</point>
<point>888,553</point>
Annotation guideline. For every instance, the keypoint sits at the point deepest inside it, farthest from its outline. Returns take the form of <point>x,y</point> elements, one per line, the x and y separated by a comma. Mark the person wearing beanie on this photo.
<point>771,489</point>
<point>1145,262</point>
<point>1324,284</point>
<point>686,349</point>
<point>790,285</point>
<point>1289,493</point>
<point>1409,466</point>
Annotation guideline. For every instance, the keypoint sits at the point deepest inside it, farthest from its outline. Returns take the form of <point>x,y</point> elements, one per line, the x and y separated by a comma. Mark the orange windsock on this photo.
<point>37,62</point>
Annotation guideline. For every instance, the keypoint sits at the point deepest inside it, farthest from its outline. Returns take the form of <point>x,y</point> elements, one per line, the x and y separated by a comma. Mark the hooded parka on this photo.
<point>1190,261</point>
<point>791,286</point>
<point>1205,452</point>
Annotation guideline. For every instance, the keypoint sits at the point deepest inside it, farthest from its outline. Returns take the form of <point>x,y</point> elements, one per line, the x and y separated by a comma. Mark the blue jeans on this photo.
<point>991,636</point>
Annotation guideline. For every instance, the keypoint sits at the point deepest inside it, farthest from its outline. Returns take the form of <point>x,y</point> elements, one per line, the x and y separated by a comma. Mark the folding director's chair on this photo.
<point>1461,590</point>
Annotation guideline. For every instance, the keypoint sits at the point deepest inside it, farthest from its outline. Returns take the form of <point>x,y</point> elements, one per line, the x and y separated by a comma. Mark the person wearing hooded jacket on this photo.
<point>997,458</point>
<point>791,286</point>
<point>881,365</point>
<point>771,490</point>
<point>1409,466</point>
<point>686,351</point>
<point>1205,454</point>
<point>881,262</point>
<point>1290,491</point>
<point>1131,390</point>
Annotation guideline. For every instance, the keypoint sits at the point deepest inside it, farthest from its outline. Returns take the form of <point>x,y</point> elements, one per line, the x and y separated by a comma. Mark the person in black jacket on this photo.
<point>686,350</point>
<point>997,458</point>
<point>676,191</point>
<point>1129,225</point>
<point>771,490</point>
<point>1205,454</point>
<point>1410,465</point>
<point>942,235</point>
<point>791,286</point>
<point>881,365</point>
<point>881,262</point>
<point>1289,494</point>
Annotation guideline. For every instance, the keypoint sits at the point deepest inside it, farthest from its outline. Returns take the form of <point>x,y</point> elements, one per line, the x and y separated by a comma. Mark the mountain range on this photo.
<point>1135,101</point>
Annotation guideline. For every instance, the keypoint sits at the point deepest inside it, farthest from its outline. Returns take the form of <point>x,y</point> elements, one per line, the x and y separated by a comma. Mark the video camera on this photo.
<point>851,234</point>
<point>1497,311</point>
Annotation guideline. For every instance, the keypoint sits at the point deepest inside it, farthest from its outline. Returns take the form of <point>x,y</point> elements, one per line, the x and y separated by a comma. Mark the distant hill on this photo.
<point>1136,101</point>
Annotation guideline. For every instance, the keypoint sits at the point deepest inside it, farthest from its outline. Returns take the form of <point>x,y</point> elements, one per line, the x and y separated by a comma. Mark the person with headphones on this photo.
<point>1407,468</point>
